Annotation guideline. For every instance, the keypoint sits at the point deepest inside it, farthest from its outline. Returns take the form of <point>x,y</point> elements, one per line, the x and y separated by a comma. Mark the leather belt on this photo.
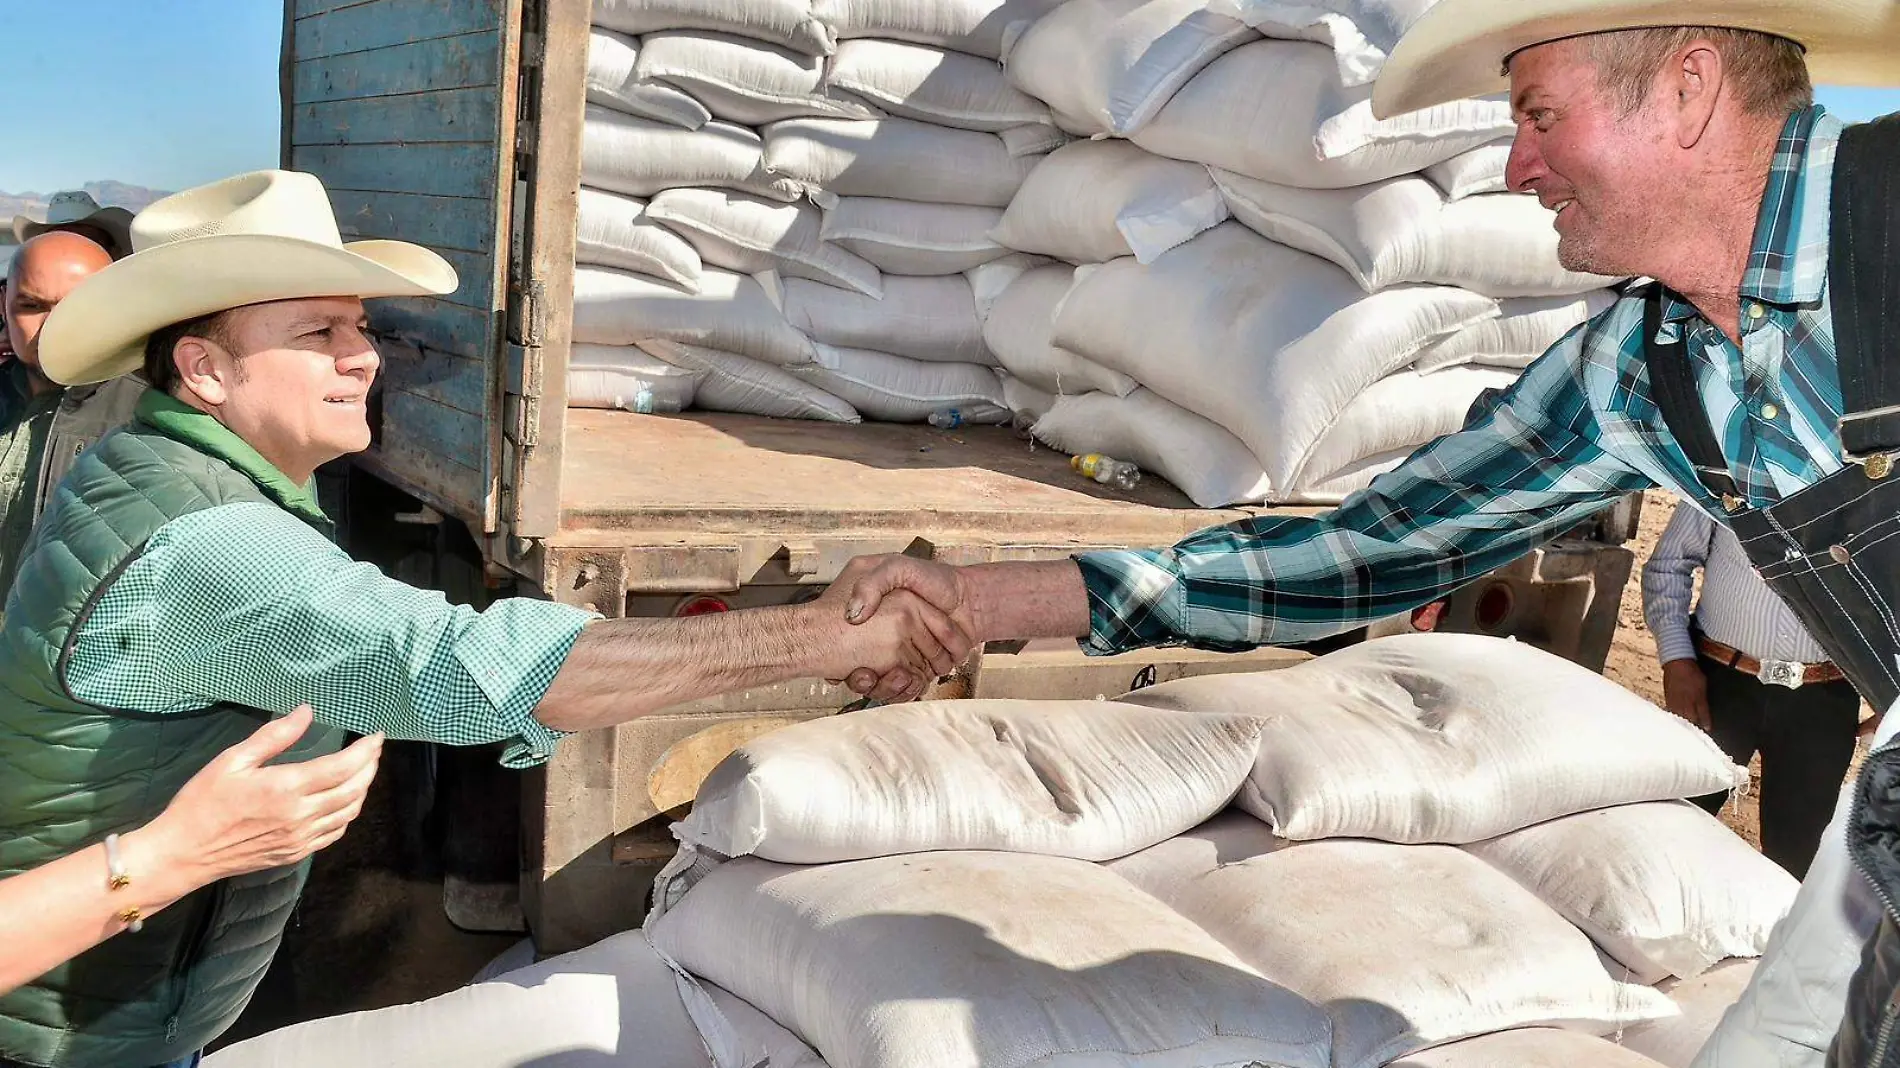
<point>1790,673</point>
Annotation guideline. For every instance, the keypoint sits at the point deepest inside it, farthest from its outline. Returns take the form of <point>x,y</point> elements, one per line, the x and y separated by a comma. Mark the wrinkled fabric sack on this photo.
<point>984,28</point>
<point>1018,330</point>
<point>729,382</point>
<point>614,82</point>
<point>745,82</point>
<point>912,238</point>
<point>1361,33</point>
<point>1383,425</point>
<point>920,318</point>
<point>1525,329</point>
<point>729,312</point>
<point>760,1034</point>
<point>1084,779</point>
<point>931,85</point>
<point>896,158</point>
<point>895,389</point>
<point>613,231</point>
<point>997,960</point>
<point>1094,201</point>
<point>1531,1048</point>
<point>751,234</point>
<point>621,376</point>
<point>1449,738</point>
<point>1703,1001</point>
<point>1664,887</point>
<point>1473,173</point>
<point>639,157</point>
<point>1203,461</point>
<point>784,22</point>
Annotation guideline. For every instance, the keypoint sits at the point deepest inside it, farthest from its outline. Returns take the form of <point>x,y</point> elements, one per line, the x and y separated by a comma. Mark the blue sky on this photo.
<point>172,93</point>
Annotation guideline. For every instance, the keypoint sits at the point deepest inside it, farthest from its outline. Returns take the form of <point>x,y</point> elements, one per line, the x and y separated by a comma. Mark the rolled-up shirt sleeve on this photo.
<point>1669,582</point>
<point>247,604</point>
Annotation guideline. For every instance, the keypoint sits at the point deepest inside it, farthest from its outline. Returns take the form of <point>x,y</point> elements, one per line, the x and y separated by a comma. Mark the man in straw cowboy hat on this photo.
<point>1677,140</point>
<point>76,212</point>
<point>181,589</point>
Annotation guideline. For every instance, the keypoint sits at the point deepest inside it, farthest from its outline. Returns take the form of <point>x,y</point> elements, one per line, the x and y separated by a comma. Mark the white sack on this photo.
<point>1311,131</point>
<point>624,377</point>
<point>1018,328</point>
<point>1085,779</point>
<point>931,85</point>
<point>1361,33</point>
<point>895,389</point>
<point>1264,340</point>
<point>922,318</point>
<point>1023,399</point>
<point>615,1002</point>
<point>895,158</point>
<point>1703,1000</point>
<point>984,28</point>
<point>613,231</point>
<point>729,382</point>
<point>1405,947</point>
<point>762,1034</point>
<point>785,22</point>
<point>745,82</point>
<point>1394,416</point>
<point>1531,1048</point>
<point>639,158</point>
<point>1526,329</point>
<point>1664,887</point>
<point>1035,140</point>
<point>908,237</point>
<point>1403,230</point>
<point>730,312</point>
<point>1093,201</point>
<point>1472,173</point>
<point>613,81</point>
<point>1212,467</point>
<point>751,234</point>
<point>998,960</point>
<point>989,281</point>
<point>1109,66</point>
<point>1450,738</point>
<point>1339,485</point>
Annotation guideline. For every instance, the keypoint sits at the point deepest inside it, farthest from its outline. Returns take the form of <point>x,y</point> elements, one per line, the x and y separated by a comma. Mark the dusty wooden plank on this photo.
<point>464,62</point>
<point>433,170</point>
<point>420,118</point>
<point>453,381</point>
<point>476,273</point>
<point>384,23</point>
<point>286,81</point>
<point>417,424</point>
<point>442,223</point>
<point>307,8</point>
<point>436,324</point>
<point>446,487</point>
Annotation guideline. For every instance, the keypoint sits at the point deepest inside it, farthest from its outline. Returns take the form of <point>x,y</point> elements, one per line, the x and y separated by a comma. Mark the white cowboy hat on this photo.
<point>269,235</point>
<point>1458,49</point>
<point>76,207</point>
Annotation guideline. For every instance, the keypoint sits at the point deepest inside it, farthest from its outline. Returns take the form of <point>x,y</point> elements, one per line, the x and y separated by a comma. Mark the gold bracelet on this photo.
<point>118,879</point>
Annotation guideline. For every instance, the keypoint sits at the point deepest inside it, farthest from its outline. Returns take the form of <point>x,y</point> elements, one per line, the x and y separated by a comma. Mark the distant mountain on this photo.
<point>108,194</point>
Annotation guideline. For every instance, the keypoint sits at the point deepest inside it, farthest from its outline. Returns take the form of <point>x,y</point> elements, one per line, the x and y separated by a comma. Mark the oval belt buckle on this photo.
<point>1879,466</point>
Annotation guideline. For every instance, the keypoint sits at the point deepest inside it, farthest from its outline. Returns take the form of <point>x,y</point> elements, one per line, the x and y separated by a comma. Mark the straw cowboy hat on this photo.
<point>76,207</point>
<point>1459,47</point>
<point>269,235</point>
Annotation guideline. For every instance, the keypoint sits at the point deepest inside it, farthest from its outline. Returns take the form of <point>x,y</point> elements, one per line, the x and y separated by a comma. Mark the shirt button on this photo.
<point>1756,311</point>
<point>1840,554</point>
<point>1770,412</point>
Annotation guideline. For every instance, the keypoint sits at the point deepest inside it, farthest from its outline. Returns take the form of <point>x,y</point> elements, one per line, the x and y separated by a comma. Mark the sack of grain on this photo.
<point>1082,779</point>
<point>1663,887</point>
<point>783,22</point>
<point>985,28</point>
<point>1109,66</point>
<point>1203,461</point>
<point>931,85</point>
<point>614,82</point>
<point>1526,329</point>
<point>750,235</point>
<point>1387,421</point>
<point>1448,738</point>
<point>1312,131</point>
<point>730,312</point>
<point>1530,1048</point>
<point>1018,329</point>
<point>639,157</point>
<point>613,231</point>
<point>922,318</point>
<point>1405,947</point>
<point>571,1011</point>
<point>989,281</point>
<point>896,158</point>
<point>1703,1000</point>
<point>760,1033</point>
<point>745,82</point>
<point>729,382</point>
<point>1473,173</point>
<point>1004,960</point>
<point>1403,230</point>
<point>1023,399</point>
<point>1094,201</point>
<point>1361,33</point>
<point>1036,140</point>
<point>894,389</point>
<point>1264,340</point>
<point>624,377</point>
<point>911,238</point>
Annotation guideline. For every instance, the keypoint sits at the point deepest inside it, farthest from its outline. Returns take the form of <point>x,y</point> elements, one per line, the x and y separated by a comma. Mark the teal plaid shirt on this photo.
<point>1576,432</point>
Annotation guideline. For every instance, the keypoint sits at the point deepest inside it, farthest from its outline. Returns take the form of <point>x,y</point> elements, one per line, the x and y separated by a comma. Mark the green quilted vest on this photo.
<point>75,773</point>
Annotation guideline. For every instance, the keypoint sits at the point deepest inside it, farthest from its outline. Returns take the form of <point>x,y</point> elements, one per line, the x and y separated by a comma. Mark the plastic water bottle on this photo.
<point>948,419</point>
<point>1107,470</point>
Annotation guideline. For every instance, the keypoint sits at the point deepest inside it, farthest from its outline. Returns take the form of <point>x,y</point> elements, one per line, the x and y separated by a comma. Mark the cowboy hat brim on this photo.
<point>1458,49</point>
<point>99,331</point>
<point>114,221</point>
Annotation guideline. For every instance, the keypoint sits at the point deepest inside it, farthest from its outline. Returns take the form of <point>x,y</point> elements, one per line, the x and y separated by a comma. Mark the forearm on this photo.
<point>1024,600</point>
<point>59,910</point>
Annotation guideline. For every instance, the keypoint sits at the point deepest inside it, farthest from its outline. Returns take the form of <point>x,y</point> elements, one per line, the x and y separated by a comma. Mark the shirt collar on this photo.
<point>182,423</point>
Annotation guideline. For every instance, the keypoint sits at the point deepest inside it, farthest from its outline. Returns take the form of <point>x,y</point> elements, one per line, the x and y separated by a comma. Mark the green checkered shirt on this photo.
<point>1576,432</point>
<point>249,604</point>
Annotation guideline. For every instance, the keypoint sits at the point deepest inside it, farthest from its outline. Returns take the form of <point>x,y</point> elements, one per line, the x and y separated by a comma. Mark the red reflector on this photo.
<point>1427,618</point>
<point>1495,606</point>
<point>701,606</point>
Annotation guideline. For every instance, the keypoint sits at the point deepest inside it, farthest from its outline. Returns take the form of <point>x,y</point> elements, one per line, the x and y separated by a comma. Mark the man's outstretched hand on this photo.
<point>893,650</point>
<point>869,582</point>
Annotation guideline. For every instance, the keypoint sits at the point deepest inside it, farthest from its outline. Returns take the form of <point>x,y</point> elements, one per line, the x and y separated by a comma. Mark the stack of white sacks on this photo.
<point>1225,270</point>
<point>1431,851</point>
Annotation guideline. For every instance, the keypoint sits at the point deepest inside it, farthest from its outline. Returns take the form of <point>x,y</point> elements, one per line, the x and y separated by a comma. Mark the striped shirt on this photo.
<point>1737,608</point>
<point>1576,432</point>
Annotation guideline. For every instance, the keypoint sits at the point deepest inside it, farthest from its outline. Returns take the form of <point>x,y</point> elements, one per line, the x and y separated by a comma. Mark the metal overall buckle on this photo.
<point>1789,673</point>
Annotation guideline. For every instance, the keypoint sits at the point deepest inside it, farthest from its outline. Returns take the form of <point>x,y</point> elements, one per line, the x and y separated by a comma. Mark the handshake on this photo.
<point>891,625</point>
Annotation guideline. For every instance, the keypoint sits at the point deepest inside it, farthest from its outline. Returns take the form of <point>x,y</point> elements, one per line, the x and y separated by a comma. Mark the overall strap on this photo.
<point>1864,286</point>
<point>1672,386</point>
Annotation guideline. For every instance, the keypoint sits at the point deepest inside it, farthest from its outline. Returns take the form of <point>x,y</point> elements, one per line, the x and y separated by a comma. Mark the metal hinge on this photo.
<point>526,312</point>
<point>521,396</point>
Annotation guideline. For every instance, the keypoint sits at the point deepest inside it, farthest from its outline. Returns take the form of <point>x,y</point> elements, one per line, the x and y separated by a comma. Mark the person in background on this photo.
<point>76,212</point>
<point>1743,668</point>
